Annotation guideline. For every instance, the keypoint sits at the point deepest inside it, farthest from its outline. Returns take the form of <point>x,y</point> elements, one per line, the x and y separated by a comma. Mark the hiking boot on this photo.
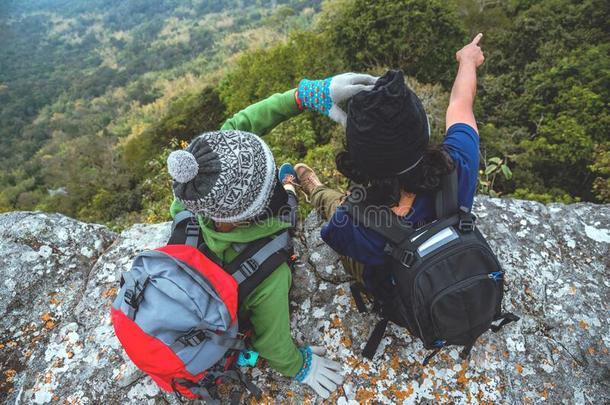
<point>308,178</point>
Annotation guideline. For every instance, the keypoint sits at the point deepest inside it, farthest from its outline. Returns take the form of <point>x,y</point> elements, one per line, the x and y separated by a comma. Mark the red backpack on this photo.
<point>176,311</point>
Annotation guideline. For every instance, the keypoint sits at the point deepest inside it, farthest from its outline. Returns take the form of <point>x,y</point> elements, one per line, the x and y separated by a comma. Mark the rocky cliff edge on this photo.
<point>58,277</point>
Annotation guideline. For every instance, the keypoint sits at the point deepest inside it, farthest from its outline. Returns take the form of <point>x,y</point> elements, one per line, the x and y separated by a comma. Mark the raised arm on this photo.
<point>261,117</point>
<point>464,90</point>
<point>323,96</point>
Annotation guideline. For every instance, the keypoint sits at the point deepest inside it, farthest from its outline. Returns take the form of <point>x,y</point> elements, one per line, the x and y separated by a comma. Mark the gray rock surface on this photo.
<point>60,275</point>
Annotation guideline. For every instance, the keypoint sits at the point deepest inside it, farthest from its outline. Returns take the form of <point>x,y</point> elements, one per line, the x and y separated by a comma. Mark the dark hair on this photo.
<point>422,179</point>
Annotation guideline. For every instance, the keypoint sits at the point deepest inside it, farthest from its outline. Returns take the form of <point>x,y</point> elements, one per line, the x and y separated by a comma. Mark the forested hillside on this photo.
<point>94,94</point>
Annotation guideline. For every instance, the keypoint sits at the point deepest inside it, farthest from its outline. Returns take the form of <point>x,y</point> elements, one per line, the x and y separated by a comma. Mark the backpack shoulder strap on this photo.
<point>257,260</point>
<point>379,219</point>
<point>446,199</point>
<point>185,230</point>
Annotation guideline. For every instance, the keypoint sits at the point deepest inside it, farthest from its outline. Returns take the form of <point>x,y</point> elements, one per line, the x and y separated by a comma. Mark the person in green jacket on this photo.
<point>229,179</point>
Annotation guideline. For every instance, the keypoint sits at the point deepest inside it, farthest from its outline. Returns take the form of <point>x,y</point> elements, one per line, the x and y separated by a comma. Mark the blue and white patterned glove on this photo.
<point>319,373</point>
<point>325,95</point>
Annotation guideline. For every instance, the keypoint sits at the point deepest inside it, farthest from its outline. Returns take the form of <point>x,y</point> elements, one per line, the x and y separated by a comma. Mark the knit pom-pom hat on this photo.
<point>387,128</point>
<point>227,176</point>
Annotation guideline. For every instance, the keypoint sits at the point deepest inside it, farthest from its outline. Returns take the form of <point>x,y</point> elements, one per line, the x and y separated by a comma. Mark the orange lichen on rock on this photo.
<point>49,322</point>
<point>398,395</point>
<point>519,368</point>
<point>111,292</point>
<point>364,395</point>
<point>335,322</point>
<point>583,324</point>
<point>591,350</point>
<point>395,362</point>
<point>9,375</point>
<point>462,379</point>
<point>352,361</point>
<point>346,341</point>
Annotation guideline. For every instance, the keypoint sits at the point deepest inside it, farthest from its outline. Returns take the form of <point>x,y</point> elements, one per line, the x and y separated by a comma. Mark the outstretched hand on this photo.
<point>471,53</point>
<point>324,95</point>
<point>320,373</point>
<point>345,86</point>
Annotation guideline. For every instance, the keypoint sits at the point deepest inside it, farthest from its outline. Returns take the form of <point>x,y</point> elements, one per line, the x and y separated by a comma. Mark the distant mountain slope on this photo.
<point>81,49</point>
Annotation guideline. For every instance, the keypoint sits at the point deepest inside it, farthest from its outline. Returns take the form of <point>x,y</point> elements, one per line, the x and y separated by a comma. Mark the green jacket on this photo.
<point>267,306</point>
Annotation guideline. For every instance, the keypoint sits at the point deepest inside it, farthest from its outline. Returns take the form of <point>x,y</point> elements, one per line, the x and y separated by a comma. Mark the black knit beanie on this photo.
<point>387,128</point>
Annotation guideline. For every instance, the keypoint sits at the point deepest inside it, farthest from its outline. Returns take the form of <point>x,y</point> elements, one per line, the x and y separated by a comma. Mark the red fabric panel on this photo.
<point>151,355</point>
<point>222,282</point>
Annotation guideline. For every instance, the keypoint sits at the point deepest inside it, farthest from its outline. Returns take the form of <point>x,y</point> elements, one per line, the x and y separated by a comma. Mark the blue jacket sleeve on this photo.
<point>462,143</point>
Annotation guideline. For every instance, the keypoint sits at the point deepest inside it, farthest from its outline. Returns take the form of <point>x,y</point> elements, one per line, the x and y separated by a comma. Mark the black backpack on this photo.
<point>442,281</point>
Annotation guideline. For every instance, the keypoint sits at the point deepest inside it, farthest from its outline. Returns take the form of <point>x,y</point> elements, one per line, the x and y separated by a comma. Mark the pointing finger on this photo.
<point>476,39</point>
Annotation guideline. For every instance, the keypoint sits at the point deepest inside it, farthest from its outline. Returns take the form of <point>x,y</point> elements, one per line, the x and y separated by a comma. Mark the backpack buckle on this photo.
<point>407,258</point>
<point>193,337</point>
<point>192,229</point>
<point>466,224</point>
<point>248,267</point>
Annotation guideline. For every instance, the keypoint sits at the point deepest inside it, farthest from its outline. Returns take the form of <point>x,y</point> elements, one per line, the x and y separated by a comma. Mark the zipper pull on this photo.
<point>496,275</point>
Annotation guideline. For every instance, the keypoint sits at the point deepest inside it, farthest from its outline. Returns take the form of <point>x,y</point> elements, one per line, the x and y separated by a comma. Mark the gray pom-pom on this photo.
<point>182,166</point>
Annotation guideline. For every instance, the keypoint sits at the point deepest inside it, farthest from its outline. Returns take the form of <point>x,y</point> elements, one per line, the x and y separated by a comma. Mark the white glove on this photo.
<point>318,372</point>
<point>324,95</point>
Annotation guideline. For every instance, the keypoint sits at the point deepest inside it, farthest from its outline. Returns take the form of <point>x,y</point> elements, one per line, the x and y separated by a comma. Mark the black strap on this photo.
<point>506,317</point>
<point>446,199</point>
<point>134,292</point>
<point>238,376</point>
<point>185,230</point>
<point>373,343</point>
<point>430,356</point>
<point>466,351</point>
<point>356,290</point>
<point>197,388</point>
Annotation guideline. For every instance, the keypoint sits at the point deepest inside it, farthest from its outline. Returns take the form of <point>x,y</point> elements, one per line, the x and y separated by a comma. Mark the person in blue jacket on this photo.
<point>389,154</point>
